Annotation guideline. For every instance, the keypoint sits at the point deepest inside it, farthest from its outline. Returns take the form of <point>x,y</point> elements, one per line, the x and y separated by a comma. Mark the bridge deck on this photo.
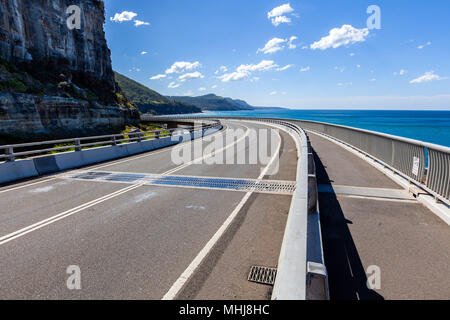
<point>360,229</point>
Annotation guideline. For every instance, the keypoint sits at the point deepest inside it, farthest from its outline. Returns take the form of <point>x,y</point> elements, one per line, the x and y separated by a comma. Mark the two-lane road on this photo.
<point>135,234</point>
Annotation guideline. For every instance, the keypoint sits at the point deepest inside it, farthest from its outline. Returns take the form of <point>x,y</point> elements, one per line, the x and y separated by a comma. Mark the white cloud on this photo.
<point>424,45</point>
<point>144,53</point>
<point>291,42</point>
<point>158,77</point>
<point>341,36</point>
<point>352,54</point>
<point>358,66</point>
<point>428,77</point>
<point>278,15</point>
<point>191,76</point>
<point>182,66</point>
<point>138,23</point>
<point>400,73</point>
<point>373,80</point>
<point>279,11</point>
<point>254,79</point>
<point>124,16</point>
<point>245,70</point>
<point>273,45</point>
<point>222,69</point>
<point>279,20</point>
<point>273,93</point>
<point>174,85</point>
<point>340,69</point>
<point>214,86</point>
<point>305,69</point>
<point>344,84</point>
<point>285,67</point>
<point>201,89</point>
<point>188,93</point>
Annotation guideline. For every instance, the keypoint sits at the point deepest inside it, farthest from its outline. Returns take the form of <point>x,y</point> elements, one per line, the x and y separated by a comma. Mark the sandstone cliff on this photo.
<point>53,80</point>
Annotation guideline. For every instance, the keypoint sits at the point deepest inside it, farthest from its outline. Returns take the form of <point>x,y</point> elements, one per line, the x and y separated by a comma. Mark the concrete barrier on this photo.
<point>23,169</point>
<point>11,171</point>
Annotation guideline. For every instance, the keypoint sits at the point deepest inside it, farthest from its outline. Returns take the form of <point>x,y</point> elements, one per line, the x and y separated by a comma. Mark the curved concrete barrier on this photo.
<point>28,168</point>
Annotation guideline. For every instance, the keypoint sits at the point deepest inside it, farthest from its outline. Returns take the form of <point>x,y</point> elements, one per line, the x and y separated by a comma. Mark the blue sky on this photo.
<point>298,54</point>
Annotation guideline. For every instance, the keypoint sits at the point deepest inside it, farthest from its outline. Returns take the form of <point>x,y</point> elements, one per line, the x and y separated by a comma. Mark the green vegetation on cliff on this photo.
<point>214,103</point>
<point>150,101</point>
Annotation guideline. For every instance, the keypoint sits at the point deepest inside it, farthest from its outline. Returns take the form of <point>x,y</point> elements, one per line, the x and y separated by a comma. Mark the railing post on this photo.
<point>77,145</point>
<point>10,154</point>
<point>157,134</point>
<point>114,141</point>
<point>139,137</point>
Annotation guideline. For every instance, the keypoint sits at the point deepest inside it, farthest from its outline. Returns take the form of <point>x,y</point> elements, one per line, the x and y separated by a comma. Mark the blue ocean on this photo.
<point>428,126</point>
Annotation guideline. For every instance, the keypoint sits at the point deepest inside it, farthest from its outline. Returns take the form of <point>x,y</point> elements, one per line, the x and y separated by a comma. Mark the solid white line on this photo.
<point>187,274</point>
<point>206,156</point>
<point>36,226</point>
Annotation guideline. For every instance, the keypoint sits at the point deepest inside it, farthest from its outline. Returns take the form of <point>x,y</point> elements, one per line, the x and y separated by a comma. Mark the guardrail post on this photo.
<point>114,141</point>
<point>77,145</point>
<point>10,154</point>
<point>139,137</point>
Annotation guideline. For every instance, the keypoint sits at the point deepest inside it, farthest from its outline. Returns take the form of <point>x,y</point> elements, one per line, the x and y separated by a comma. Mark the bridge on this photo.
<point>349,214</point>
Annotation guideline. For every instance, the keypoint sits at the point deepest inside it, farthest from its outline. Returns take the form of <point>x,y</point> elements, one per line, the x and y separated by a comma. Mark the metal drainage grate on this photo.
<point>262,275</point>
<point>244,185</point>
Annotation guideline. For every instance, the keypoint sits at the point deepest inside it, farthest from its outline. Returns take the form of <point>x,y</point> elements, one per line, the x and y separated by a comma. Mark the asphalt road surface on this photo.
<point>68,238</point>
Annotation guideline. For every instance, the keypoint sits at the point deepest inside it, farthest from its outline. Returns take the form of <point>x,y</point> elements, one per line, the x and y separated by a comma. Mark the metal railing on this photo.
<point>9,153</point>
<point>423,164</point>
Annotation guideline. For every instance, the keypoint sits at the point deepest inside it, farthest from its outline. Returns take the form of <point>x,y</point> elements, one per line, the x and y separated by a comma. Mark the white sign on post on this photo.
<point>416,165</point>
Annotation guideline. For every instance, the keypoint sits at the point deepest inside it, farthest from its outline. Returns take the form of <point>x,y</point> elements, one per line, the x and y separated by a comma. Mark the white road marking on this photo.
<point>206,156</point>
<point>190,270</point>
<point>36,226</point>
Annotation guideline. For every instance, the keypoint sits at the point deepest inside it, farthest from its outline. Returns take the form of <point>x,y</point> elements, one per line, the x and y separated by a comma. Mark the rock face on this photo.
<point>35,39</point>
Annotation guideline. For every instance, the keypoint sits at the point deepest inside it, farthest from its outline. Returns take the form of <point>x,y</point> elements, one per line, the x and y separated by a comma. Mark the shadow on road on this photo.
<point>347,277</point>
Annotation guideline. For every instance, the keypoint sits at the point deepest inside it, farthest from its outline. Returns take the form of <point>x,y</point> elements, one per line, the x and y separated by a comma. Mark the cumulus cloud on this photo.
<point>173,85</point>
<point>191,76</point>
<point>124,16</point>
<point>278,44</point>
<point>182,66</point>
<point>201,89</point>
<point>144,53</point>
<point>138,23</point>
<point>273,45</point>
<point>158,77</point>
<point>428,77</point>
<point>341,36</point>
<point>245,70</point>
<point>278,15</point>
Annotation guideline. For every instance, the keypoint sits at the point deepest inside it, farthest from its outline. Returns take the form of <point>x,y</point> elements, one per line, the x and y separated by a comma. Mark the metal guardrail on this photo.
<point>10,151</point>
<point>425,165</point>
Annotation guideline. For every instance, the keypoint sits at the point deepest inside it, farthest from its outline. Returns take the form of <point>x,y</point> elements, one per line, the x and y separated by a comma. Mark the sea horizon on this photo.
<point>432,126</point>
